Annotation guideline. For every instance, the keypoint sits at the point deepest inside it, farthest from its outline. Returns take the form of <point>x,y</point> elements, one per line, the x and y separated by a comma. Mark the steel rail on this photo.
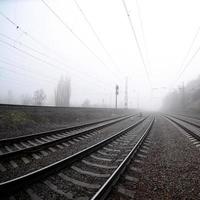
<point>17,153</point>
<point>191,123</point>
<point>183,127</point>
<point>47,133</point>
<point>9,187</point>
<point>189,116</point>
<point>104,191</point>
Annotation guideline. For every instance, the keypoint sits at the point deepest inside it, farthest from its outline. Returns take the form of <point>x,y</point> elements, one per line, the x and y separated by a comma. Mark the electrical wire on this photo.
<point>20,74</point>
<point>76,36</point>
<point>28,71</point>
<point>184,67</point>
<point>142,28</point>
<point>96,35</point>
<point>50,82</point>
<point>45,62</point>
<point>27,34</point>
<point>188,63</point>
<point>19,28</point>
<point>47,56</point>
<point>137,42</point>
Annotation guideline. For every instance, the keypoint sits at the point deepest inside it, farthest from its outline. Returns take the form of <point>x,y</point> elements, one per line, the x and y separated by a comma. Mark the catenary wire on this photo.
<point>76,36</point>
<point>27,34</point>
<point>22,74</point>
<point>188,63</point>
<point>184,67</point>
<point>43,61</point>
<point>143,34</point>
<point>47,56</point>
<point>137,42</point>
<point>96,35</point>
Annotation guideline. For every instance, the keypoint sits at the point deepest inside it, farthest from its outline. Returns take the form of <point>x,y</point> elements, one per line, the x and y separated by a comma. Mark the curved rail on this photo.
<point>189,116</point>
<point>189,122</point>
<point>11,186</point>
<point>182,126</point>
<point>8,187</point>
<point>47,133</point>
<point>11,154</point>
<point>103,192</point>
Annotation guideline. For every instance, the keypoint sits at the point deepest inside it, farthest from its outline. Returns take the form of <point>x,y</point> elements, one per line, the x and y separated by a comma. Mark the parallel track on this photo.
<point>56,131</point>
<point>11,186</point>
<point>189,122</point>
<point>35,142</point>
<point>104,191</point>
<point>184,127</point>
<point>189,116</point>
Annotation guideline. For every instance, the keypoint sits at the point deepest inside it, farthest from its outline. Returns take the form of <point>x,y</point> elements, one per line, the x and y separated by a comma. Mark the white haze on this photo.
<point>169,27</point>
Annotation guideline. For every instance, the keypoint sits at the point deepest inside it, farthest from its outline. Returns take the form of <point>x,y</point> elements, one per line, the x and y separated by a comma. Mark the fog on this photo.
<point>91,42</point>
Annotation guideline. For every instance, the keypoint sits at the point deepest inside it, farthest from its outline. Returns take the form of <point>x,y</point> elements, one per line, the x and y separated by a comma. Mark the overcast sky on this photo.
<point>165,30</point>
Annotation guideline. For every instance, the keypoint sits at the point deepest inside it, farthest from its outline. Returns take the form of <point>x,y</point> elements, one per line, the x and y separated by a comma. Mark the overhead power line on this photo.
<point>184,67</point>
<point>137,42</point>
<point>47,56</point>
<point>49,79</point>
<point>28,84</point>
<point>143,34</point>
<point>75,35</point>
<point>31,55</point>
<point>23,31</point>
<point>27,34</point>
<point>46,79</point>
<point>16,82</point>
<point>42,60</point>
<point>24,74</point>
<point>188,63</point>
<point>96,35</point>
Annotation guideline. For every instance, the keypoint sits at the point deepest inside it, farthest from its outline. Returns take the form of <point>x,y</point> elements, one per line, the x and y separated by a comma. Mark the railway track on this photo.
<point>56,131</point>
<point>83,174</point>
<point>188,116</point>
<point>192,129</point>
<point>112,187</point>
<point>31,152</point>
<point>189,121</point>
<point>13,147</point>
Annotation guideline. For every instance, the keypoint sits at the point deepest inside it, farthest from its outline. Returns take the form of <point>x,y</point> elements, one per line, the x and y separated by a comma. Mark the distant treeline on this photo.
<point>60,98</point>
<point>185,98</point>
<point>62,95</point>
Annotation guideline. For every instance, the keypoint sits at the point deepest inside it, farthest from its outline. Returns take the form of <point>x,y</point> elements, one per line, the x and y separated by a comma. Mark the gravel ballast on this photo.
<point>60,188</point>
<point>67,151</point>
<point>171,169</point>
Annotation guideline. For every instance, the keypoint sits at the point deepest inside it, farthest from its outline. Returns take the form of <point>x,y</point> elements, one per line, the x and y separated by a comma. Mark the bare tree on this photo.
<point>63,92</point>
<point>186,97</point>
<point>39,97</point>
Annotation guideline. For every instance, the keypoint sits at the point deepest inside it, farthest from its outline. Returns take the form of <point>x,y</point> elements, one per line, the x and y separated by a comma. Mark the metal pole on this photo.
<point>116,93</point>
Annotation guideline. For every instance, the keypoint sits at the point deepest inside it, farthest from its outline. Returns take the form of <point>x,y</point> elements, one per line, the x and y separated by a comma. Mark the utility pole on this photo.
<point>126,93</point>
<point>116,94</point>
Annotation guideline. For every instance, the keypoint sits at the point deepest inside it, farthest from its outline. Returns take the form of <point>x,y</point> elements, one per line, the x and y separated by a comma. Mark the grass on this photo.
<point>15,120</point>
